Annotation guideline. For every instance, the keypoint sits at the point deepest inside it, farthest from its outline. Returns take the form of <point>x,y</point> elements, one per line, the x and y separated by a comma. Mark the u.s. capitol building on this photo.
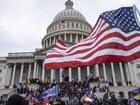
<point>18,67</point>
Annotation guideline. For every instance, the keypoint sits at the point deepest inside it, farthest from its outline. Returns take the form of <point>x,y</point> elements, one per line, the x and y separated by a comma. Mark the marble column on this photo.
<point>122,74</point>
<point>13,76</point>
<point>131,71</point>
<point>59,37</point>
<point>21,73</point>
<point>34,72</point>
<point>29,70</point>
<point>43,71</point>
<point>79,74</point>
<point>61,74</point>
<point>70,37</point>
<point>8,75</point>
<point>54,40</point>
<point>52,75</point>
<point>65,37</point>
<point>37,71</point>
<point>50,44</point>
<point>97,70</point>
<point>76,39</point>
<point>104,71</point>
<point>46,44</point>
<point>70,74</point>
<point>82,36</point>
<point>88,71</point>
<point>113,74</point>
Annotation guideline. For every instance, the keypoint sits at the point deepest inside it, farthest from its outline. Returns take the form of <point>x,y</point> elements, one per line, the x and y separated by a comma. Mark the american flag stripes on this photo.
<point>114,38</point>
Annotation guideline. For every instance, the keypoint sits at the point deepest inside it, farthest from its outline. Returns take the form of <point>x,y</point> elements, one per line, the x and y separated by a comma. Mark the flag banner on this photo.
<point>136,93</point>
<point>50,92</point>
<point>114,38</point>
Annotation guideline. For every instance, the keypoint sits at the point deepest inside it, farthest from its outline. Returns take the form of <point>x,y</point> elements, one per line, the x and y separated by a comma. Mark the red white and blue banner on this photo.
<point>114,38</point>
<point>51,92</point>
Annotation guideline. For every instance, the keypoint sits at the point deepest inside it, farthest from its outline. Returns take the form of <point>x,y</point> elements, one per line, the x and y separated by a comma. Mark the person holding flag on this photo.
<point>51,92</point>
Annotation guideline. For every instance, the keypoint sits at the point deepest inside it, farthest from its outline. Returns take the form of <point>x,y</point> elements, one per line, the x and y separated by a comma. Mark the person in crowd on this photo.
<point>16,100</point>
<point>113,100</point>
<point>1,101</point>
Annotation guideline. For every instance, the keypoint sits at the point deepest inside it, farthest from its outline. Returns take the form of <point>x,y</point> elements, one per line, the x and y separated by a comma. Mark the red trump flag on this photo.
<point>114,38</point>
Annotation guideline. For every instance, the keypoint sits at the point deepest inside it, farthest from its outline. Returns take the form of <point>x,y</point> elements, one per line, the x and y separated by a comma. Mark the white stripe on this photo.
<point>97,54</point>
<point>101,37</point>
<point>61,46</point>
<point>103,27</point>
<point>98,24</point>
<point>109,40</point>
<point>112,39</point>
<point>97,28</point>
<point>86,41</point>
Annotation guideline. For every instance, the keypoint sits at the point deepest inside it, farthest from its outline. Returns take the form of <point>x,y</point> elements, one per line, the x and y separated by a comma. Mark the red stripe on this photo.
<point>87,44</point>
<point>97,29</point>
<point>115,34</point>
<point>97,60</point>
<point>59,47</point>
<point>55,56</point>
<point>105,46</point>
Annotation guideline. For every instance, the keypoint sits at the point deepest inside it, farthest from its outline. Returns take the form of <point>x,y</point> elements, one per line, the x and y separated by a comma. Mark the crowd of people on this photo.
<point>70,93</point>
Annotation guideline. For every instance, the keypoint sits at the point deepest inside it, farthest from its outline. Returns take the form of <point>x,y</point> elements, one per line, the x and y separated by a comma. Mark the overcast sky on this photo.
<point>23,23</point>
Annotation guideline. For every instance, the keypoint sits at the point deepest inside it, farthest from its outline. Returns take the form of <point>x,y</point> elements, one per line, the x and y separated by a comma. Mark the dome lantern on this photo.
<point>69,4</point>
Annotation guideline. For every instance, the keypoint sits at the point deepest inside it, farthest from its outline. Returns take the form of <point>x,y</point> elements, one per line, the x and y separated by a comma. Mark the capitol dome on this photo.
<point>68,25</point>
<point>69,12</point>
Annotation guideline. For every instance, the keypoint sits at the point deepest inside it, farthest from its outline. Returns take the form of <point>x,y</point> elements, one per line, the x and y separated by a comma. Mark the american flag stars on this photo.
<point>122,18</point>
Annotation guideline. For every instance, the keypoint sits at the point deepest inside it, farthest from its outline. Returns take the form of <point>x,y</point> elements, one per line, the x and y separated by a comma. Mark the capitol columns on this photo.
<point>88,71</point>
<point>59,37</point>
<point>76,38</point>
<point>97,70</point>
<point>104,72</point>
<point>79,74</point>
<point>29,70</point>
<point>82,37</point>
<point>50,44</point>
<point>65,37</point>
<point>54,40</point>
<point>43,71</point>
<point>13,76</point>
<point>35,67</point>
<point>113,74</point>
<point>52,75</point>
<point>122,74</point>
<point>70,37</point>
<point>131,72</point>
<point>70,74</point>
<point>61,74</point>
<point>21,72</point>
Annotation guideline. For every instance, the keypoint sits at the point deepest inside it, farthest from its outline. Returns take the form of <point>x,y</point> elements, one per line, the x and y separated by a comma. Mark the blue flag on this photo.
<point>50,92</point>
<point>135,91</point>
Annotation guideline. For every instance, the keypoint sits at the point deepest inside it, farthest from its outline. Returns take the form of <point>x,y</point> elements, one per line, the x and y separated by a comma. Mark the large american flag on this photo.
<point>114,38</point>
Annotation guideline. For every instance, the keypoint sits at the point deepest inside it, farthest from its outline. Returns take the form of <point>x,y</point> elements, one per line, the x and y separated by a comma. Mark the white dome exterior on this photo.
<point>69,13</point>
<point>72,30</point>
